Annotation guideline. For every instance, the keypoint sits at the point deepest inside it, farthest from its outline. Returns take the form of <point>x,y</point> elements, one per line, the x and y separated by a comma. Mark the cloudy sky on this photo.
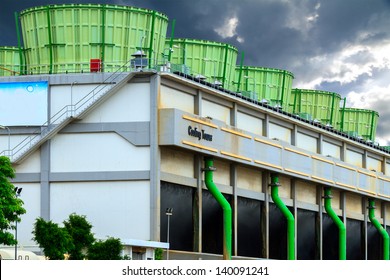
<point>334,45</point>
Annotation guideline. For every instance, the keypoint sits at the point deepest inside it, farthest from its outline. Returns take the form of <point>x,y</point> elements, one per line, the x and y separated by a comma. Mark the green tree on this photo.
<point>109,249</point>
<point>11,207</point>
<point>158,254</point>
<point>55,241</point>
<point>80,230</point>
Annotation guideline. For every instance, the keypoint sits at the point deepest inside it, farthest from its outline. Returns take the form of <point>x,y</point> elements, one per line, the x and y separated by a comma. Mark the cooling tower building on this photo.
<point>105,116</point>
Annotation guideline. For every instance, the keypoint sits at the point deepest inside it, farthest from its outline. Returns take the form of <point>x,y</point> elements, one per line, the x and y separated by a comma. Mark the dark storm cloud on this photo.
<point>307,37</point>
<point>269,39</point>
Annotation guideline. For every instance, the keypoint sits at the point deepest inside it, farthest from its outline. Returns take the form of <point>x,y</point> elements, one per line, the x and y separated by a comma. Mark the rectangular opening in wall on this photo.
<point>249,237</point>
<point>181,227</point>
<point>212,223</point>
<point>306,235</point>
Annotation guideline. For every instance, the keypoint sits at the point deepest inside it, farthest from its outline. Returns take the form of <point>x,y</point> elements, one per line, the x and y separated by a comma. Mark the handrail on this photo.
<point>185,72</point>
<point>67,112</point>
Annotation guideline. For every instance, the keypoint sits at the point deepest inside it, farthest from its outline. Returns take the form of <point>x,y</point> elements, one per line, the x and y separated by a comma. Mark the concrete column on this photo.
<point>233,183</point>
<point>343,204</point>
<point>364,207</point>
<point>265,215</point>
<point>343,151</point>
<point>197,205</point>
<point>155,158</point>
<point>198,103</point>
<point>45,180</point>
<point>295,213</point>
<point>364,163</point>
<point>233,115</point>
<point>383,208</point>
<point>320,144</point>
<point>266,126</point>
<point>320,221</point>
<point>294,135</point>
<point>384,165</point>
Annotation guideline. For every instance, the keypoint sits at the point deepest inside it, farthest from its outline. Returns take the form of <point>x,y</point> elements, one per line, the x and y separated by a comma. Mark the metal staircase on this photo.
<point>67,114</point>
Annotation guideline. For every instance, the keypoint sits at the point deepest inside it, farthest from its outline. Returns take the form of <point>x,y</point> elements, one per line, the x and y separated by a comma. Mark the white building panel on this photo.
<point>96,152</point>
<point>307,142</point>
<point>15,141</point>
<point>222,175</point>
<point>279,132</point>
<point>130,104</point>
<point>215,111</point>
<point>32,164</point>
<point>31,196</point>
<point>115,209</point>
<point>249,179</point>
<point>249,123</point>
<point>374,164</point>
<point>63,95</point>
<point>177,162</point>
<point>173,98</point>
<point>354,158</point>
<point>306,192</point>
<point>329,149</point>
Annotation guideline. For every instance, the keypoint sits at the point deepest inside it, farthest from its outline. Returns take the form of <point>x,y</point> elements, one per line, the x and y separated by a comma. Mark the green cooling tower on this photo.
<point>214,61</point>
<point>9,61</point>
<point>89,37</point>
<point>272,85</point>
<point>358,122</point>
<point>323,106</point>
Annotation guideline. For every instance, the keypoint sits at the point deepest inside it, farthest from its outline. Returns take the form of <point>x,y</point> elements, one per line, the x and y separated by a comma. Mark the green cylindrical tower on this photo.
<point>70,37</point>
<point>323,106</point>
<point>273,85</point>
<point>358,122</point>
<point>213,60</point>
<point>9,61</point>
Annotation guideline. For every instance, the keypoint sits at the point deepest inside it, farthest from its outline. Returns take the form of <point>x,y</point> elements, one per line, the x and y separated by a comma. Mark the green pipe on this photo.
<point>184,51</point>
<point>286,212</point>
<point>103,44</point>
<point>50,40</point>
<point>372,136</point>
<point>151,39</point>
<point>284,79</point>
<point>378,226</point>
<point>21,66</point>
<point>227,210</point>
<point>240,72</point>
<point>295,101</point>
<point>225,65</point>
<point>300,101</point>
<point>171,41</point>
<point>338,222</point>
<point>332,109</point>
<point>342,115</point>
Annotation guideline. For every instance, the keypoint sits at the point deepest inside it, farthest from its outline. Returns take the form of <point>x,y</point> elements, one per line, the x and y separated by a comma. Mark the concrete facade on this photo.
<point>119,162</point>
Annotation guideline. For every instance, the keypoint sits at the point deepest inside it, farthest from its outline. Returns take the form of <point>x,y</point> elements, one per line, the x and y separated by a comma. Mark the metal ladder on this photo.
<point>69,113</point>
